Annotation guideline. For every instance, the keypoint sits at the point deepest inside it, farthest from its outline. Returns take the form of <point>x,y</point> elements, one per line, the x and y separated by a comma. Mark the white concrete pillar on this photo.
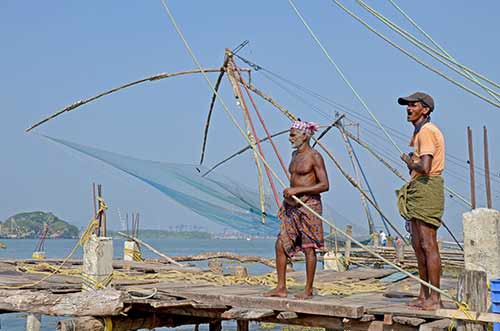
<point>482,241</point>
<point>129,247</point>
<point>97,262</point>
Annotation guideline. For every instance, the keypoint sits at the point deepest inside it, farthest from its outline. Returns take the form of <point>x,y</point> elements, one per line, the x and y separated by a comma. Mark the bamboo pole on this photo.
<point>152,249</point>
<point>159,76</point>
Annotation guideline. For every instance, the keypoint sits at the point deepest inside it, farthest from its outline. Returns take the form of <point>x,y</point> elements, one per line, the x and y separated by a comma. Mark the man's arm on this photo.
<point>422,166</point>
<point>322,184</point>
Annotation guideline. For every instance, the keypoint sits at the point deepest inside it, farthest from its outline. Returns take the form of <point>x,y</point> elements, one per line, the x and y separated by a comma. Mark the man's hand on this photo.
<point>407,159</point>
<point>288,192</point>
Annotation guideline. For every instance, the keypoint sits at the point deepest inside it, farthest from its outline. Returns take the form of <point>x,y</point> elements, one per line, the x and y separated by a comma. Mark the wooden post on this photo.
<point>97,263</point>
<point>348,243</point>
<point>215,266</point>
<point>129,248</point>
<point>471,169</point>
<point>487,168</point>
<point>242,325</point>
<point>472,290</point>
<point>215,326</point>
<point>400,251</point>
<point>375,239</point>
<point>33,322</point>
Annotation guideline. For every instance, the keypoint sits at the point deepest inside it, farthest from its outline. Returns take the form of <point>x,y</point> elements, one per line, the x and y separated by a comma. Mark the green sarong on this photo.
<point>423,199</point>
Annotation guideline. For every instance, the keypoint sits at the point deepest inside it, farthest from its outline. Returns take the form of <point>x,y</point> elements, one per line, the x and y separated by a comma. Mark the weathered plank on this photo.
<point>95,303</point>
<point>238,313</point>
<point>333,307</point>
<point>438,325</point>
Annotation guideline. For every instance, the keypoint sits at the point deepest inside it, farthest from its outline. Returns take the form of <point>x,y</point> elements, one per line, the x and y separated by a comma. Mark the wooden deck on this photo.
<point>139,302</point>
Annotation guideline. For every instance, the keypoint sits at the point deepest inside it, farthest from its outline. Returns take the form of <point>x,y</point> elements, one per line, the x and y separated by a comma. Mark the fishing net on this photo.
<point>214,196</point>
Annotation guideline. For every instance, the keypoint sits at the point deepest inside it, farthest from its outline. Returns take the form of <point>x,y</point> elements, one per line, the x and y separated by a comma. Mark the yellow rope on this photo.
<point>464,308</point>
<point>134,253</point>
<point>84,238</point>
<point>108,324</point>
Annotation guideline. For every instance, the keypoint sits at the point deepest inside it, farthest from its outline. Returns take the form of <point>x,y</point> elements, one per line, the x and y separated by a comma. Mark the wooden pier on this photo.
<point>152,294</point>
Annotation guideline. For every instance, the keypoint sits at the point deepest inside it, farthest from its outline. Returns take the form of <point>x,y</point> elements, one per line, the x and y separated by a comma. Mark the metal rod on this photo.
<point>94,200</point>
<point>471,169</point>
<point>99,194</point>
<point>487,167</point>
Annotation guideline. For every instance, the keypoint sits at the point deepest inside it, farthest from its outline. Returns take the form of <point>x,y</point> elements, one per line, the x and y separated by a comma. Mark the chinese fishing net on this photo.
<point>216,197</point>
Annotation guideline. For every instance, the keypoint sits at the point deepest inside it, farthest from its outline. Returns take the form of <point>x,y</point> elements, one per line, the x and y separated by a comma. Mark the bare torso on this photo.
<point>302,172</point>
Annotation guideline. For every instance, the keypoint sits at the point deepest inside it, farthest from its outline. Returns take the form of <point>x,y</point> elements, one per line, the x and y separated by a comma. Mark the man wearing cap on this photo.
<point>421,201</point>
<point>301,230</point>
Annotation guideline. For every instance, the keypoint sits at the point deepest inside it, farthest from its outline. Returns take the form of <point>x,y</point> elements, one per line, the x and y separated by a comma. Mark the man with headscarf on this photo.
<point>421,201</point>
<point>301,230</point>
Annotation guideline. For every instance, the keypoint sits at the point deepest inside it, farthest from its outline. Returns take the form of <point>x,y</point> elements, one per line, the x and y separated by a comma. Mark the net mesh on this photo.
<point>216,197</point>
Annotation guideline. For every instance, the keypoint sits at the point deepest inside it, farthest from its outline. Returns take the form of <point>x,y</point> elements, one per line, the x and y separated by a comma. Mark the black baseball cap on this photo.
<point>426,99</point>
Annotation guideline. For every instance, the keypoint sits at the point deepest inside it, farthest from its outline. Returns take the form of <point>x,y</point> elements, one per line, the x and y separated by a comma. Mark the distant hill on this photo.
<point>30,225</point>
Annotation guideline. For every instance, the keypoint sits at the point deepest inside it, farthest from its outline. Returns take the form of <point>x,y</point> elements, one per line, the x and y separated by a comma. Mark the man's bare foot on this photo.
<point>277,292</point>
<point>431,304</point>
<point>417,303</point>
<point>306,294</point>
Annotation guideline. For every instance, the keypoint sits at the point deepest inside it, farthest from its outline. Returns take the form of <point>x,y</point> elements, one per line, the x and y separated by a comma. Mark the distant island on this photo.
<point>30,226</point>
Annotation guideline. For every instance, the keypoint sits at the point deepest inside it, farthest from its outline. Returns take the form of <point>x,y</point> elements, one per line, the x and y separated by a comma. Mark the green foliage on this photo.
<point>31,224</point>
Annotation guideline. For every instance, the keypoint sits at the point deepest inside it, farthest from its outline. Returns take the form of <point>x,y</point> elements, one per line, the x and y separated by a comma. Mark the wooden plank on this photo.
<point>413,321</point>
<point>327,308</point>
<point>476,316</point>
<point>439,325</point>
<point>95,303</point>
<point>238,313</point>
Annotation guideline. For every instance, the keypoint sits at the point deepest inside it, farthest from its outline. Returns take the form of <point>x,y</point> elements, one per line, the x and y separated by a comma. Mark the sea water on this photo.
<point>59,248</point>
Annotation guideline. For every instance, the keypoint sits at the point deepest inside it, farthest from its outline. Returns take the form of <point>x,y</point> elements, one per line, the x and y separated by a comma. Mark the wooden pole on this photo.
<point>472,289</point>
<point>471,169</point>
<point>487,168</point>
<point>348,243</point>
<point>400,251</point>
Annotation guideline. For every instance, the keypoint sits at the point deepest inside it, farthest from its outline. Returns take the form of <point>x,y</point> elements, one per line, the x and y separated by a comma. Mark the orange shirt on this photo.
<point>429,141</point>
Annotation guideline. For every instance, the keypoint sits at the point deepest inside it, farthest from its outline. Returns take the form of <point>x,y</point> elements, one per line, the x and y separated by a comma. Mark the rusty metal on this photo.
<point>487,168</point>
<point>471,169</point>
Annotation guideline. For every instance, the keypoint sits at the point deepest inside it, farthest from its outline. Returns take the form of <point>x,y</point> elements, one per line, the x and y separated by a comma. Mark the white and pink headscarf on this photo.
<point>309,127</point>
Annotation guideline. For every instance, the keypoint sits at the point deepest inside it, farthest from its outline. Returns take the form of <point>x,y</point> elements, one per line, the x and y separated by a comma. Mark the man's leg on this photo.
<point>433,263</point>
<point>416,241</point>
<point>280,290</point>
<point>310,271</point>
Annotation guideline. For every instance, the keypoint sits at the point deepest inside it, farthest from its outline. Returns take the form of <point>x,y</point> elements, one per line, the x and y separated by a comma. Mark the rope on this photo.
<point>174,23</point>
<point>84,238</point>
<point>413,57</point>
<point>429,50</point>
<point>259,146</point>
<point>280,159</point>
<point>134,253</point>
<point>439,46</point>
<point>344,78</point>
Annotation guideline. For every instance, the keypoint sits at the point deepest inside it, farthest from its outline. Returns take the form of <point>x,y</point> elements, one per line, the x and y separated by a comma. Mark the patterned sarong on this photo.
<point>423,199</point>
<point>299,228</point>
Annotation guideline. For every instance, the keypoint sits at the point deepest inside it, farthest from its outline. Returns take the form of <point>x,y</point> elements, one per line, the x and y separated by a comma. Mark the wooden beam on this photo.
<point>237,313</point>
<point>327,308</point>
<point>438,325</point>
<point>94,303</point>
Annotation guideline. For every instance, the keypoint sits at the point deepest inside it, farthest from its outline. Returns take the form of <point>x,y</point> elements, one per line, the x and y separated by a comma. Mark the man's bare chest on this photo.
<point>301,164</point>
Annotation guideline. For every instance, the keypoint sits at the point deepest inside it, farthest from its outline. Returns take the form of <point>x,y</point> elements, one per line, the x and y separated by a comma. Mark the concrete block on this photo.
<point>97,262</point>
<point>482,241</point>
<point>129,247</point>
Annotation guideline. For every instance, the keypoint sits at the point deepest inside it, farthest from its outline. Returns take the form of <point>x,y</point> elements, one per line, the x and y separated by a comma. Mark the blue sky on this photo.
<point>58,52</point>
